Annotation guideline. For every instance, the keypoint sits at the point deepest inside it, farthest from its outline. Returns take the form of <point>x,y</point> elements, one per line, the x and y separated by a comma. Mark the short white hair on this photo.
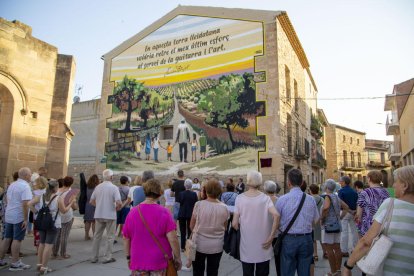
<point>35,176</point>
<point>24,173</point>
<point>254,179</point>
<point>188,183</point>
<point>270,187</point>
<point>107,174</point>
<point>330,185</point>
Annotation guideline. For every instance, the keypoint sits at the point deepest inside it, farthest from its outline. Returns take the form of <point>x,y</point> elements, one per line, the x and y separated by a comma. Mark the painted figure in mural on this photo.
<point>155,146</point>
<point>147,146</point>
<point>183,136</point>
<point>169,150</point>
<point>138,148</point>
<point>202,141</point>
<point>194,146</point>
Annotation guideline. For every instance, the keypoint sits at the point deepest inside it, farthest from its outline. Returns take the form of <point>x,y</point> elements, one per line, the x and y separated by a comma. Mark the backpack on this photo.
<point>44,220</point>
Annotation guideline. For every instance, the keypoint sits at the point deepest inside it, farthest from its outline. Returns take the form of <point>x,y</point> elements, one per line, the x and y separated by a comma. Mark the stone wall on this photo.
<point>340,139</point>
<point>28,83</point>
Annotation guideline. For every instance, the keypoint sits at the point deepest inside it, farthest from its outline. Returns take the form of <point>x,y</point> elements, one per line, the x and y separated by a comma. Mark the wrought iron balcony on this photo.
<point>392,126</point>
<point>319,162</point>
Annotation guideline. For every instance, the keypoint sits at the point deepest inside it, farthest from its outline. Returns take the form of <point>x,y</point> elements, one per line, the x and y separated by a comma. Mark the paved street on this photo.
<point>80,251</point>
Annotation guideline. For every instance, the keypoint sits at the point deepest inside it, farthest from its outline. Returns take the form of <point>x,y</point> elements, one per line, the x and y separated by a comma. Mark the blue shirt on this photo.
<point>138,196</point>
<point>349,196</point>
<point>287,204</point>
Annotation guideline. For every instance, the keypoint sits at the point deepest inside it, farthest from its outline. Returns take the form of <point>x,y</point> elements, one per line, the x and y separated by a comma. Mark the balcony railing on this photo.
<point>392,126</point>
<point>319,161</point>
<point>352,166</point>
<point>302,149</point>
<point>394,152</point>
<point>377,164</point>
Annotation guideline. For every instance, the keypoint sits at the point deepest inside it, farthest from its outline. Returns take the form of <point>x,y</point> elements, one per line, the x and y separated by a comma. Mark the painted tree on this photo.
<point>127,97</point>
<point>223,105</point>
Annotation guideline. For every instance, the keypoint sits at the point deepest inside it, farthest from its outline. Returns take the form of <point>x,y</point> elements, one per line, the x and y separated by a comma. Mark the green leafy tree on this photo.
<point>224,106</point>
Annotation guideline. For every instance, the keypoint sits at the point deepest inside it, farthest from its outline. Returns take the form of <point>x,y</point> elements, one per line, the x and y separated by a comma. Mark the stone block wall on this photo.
<point>27,81</point>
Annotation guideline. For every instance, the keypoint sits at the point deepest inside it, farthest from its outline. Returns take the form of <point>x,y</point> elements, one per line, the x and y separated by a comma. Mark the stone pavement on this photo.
<point>80,251</point>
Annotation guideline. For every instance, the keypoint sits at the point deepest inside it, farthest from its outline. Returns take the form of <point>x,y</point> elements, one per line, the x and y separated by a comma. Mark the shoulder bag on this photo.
<point>335,226</point>
<point>171,270</point>
<point>372,263</point>
<point>190,243</point>
<point>277,247</point>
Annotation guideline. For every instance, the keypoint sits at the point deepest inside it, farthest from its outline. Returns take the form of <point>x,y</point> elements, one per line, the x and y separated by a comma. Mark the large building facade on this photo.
<point>400,123</point>
<point>35,94</point>
<point>237,77</point>
<point>345,153</point>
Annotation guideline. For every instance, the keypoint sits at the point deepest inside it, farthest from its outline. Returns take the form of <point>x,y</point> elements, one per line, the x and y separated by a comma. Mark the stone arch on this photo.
<point>13,104</point>
<point>17,91</point>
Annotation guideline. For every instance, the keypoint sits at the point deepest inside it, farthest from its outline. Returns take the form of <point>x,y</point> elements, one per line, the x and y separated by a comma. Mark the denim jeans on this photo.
<point>296,255</point>
<point>156,155</point>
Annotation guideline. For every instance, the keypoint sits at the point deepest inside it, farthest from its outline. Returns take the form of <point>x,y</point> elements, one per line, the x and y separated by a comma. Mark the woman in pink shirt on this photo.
<point>144,255</point>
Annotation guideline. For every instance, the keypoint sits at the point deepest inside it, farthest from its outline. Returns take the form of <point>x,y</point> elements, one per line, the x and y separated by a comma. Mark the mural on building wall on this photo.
<point>191,85</point>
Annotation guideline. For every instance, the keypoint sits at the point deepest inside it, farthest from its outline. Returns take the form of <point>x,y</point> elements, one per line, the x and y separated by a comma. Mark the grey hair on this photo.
<point>330,185</point>
<point>188,183</point>
<point>147,175</point>
<point>24,173</point>
<point>107,174</point>
<point>254,179</point>
<point>270,187</point>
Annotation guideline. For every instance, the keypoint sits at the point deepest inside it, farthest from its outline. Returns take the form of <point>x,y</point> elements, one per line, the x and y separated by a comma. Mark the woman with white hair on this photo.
<point>187,200</point>
<point>331,216</point>
<point>253,208</point>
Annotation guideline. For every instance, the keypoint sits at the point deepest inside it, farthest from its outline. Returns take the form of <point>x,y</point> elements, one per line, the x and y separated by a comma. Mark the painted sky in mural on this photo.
<point>199,69</point>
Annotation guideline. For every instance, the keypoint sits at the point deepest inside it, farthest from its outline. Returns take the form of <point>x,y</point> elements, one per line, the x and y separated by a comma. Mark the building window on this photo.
<point>352,159</point>
<point>166,132</point>
<point>350,140</point>
<point>287,83</point>
<point>289,133</point>
<point>357,142</point>
<point>343,139</point>
<point>298,142</point>
<point>295,88</point>
<point>345,156</point>
<point>382,158</point>
<point>359,160</point>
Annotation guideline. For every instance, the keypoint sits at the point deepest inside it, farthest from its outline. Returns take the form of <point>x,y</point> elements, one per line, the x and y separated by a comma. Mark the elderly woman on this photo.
<point>187,200</point>
<point>88,218</point>
<point>369,201</point>
<point>271,188</point>
<point>253,208</point>
<point>209,222</point>
<point>317,231</point>
<point>47,238</point>
<point>331,214</point>
<point>145,222</point>
<point>229,197</point>
<point>400,231</point>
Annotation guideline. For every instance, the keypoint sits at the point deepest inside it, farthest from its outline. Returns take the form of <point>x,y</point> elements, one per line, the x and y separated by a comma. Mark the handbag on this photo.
<point>372,263</point>
<point>277,247</point>
<point>171,269</point>
<point>190,243</point>
<point>335,226</point>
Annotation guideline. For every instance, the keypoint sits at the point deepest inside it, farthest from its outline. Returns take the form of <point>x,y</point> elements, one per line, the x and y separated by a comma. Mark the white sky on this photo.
<point>356,48</point>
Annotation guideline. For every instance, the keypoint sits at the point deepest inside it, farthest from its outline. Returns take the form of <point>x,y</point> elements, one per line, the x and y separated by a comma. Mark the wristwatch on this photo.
<point>347,266</point>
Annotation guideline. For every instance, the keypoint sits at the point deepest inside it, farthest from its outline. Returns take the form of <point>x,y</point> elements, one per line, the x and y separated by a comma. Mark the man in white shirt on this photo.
<point>107,199</point>
<point>18,196</point>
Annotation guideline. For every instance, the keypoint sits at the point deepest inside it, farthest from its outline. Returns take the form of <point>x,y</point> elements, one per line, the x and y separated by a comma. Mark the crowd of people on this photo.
<point>156,220</point>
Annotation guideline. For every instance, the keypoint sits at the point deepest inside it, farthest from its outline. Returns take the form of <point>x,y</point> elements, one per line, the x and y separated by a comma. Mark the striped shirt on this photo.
<point>400,260</point>
<point>287,204</point>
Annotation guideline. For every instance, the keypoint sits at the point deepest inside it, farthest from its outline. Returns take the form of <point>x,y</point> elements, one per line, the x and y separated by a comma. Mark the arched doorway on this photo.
<point>13,108</point>
<point>6,119</point>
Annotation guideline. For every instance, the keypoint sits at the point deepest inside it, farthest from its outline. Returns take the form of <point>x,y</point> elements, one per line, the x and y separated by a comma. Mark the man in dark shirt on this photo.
<point>176,189</point>
<point>349,230</point>
<point>240,186</point>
